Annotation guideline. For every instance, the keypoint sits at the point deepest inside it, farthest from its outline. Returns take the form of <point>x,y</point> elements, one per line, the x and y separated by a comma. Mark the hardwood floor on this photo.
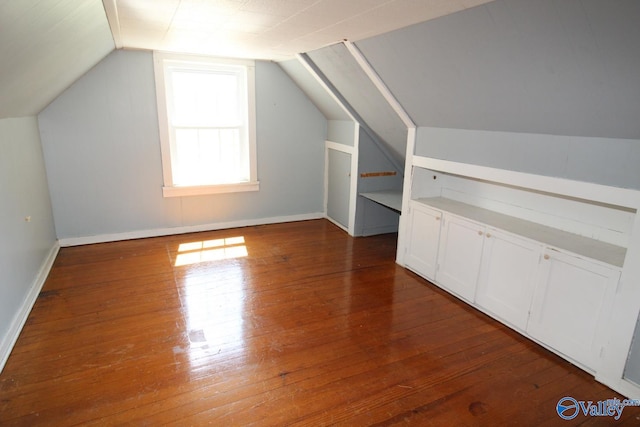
<point>286,324</point>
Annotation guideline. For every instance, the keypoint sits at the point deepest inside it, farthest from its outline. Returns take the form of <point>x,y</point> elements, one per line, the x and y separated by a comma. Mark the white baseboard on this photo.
<point>9,340</point>
<point>626,388</point>
<point>141,234</point>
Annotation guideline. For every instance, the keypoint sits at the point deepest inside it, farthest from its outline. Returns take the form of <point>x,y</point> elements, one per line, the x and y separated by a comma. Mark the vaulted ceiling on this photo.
<point>263,29</point>
<point>45,45</point>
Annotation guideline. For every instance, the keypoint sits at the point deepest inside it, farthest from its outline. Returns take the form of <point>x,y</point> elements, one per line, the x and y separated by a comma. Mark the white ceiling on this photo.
<point>46,45</point>
<point>263,29</point>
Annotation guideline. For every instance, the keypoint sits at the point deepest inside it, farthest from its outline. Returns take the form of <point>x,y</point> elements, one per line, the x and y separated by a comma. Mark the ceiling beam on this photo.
<point>114,22</point>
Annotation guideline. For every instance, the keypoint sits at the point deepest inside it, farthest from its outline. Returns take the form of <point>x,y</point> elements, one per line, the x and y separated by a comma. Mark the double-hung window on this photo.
<point>206,114</point>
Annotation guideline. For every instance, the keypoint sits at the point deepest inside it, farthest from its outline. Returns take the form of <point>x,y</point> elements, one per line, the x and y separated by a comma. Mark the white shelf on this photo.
<point>583,190</point>
<point>583,246</point>
<point>389,198</point>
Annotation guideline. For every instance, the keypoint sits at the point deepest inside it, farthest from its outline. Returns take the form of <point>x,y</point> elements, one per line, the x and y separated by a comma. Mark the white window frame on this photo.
<point>162,60</point>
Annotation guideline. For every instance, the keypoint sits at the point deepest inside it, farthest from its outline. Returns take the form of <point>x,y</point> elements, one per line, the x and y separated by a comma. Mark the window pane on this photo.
<point>206,99</point>
<point>209,157</point>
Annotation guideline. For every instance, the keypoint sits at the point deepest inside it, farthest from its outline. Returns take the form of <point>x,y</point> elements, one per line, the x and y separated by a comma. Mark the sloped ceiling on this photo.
<point>316,92</point>
<point>263,29</point>
<point>348,77</point>
<point>44,47</point>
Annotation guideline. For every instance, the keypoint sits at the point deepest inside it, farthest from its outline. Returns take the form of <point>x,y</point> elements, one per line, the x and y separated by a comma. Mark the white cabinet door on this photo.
<point>459,256</point>
<point>572,298</point>
<point>338,186</point>
<point>507,276</point>
<point>422,242</point>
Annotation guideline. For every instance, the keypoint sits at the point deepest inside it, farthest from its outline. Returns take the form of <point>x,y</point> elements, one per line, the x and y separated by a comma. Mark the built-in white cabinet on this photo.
<point>422,242</point>
<point>494,268</point>
<point>494,262</point>
<point>572,298</point>
<point>508,276</point>
<point>550,257</point>
<point>444,248</point>
<point>459,255</point>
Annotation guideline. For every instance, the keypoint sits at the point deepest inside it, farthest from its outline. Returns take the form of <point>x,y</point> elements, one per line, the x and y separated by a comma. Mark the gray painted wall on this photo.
<point>632,369</point>
<point>606,161</point>
<point>341,131</point>
<point>102,151</point>
<point>24,246</point>
<point>371,217</point>
<point>561,67</point>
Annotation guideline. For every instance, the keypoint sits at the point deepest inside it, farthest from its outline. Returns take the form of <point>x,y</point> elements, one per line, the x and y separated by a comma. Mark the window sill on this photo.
<point>201,190</point>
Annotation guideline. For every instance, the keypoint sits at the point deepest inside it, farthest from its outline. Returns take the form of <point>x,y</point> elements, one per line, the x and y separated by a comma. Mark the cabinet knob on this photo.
<point>546,256</point>
<point>488,235</point>
<point>437,218</point>
<point>479,233</point>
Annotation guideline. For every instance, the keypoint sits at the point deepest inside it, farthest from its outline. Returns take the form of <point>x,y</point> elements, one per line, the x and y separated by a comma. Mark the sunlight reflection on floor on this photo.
<point>211,250</point>
<point>213,308</point>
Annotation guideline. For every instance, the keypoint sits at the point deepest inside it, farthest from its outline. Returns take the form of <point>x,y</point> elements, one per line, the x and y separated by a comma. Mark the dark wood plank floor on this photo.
<point>287,324</point>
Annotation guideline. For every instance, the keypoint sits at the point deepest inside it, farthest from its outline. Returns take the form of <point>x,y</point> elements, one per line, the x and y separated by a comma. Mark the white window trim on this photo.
<point>171,190</point>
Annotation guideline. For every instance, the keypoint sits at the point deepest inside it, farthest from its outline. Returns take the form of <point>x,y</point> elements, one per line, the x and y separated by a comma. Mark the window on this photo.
<point>206,113</point>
